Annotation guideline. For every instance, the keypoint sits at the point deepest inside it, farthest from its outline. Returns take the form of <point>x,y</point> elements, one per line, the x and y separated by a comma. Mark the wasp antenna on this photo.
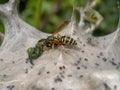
<point>61,26</point>
<point>27,60</point>
<point>31,61</point>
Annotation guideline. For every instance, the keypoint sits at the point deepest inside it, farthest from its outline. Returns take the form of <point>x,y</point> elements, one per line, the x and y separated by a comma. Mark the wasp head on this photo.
<point>33,53</point>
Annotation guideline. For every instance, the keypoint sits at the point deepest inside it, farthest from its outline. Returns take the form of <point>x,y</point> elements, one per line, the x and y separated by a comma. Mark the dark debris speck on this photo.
<point>81,76</point>
<point>60,68</point>
<point>1,59</point>
<point>89,40</point>
<point>80,42</point>
<point>69,89</point>
<point>63,71</point>
<point>84,45</point>
<point>113,63</point>
<point>106,87</point>
<point>26,70</point>
<point>118,66</point>
<point>82,51</point>
<point>13,62</point>
<point>69,75</point>
<point>78,61</point>
<point>48,72</point>
<point>4,75</point>
<point>10,87</point>
<point>78,68</point>
<point>113,59</point>
<point>62,74</point>
<point>80,58</point>
<point>58,79</point>
<point>41,70</point>
<point>96,64</point>
<point>101,53</point>
<point>55,63</point>
<point>52,88</point>
<point>86,59</point>
<point>92,54</point>
<point>31,67</point>
<point>98,56</point>
<point>63,67</point>
<point>75,64</point>
<point>39,73</point>
<point>104,59</point>
<point>85,67</point>
<point>115,87</point>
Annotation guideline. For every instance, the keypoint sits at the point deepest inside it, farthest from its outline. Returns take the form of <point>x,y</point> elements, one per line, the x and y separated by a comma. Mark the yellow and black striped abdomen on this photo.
<point>66,40</point>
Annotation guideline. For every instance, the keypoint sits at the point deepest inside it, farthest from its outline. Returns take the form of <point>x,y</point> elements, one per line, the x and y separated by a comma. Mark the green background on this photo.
<point>47,15</point>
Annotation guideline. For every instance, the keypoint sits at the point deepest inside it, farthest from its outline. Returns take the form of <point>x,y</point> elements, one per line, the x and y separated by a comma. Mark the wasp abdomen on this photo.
<point>66,40</point>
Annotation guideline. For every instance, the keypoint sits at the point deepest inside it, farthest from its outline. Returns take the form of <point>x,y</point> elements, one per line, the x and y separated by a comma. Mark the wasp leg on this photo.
<point>65,23</point>
<point>29,60</point>
<point>53,46</point>
<point>77,47</point>
<point>63,48</point>
<point>46,48</point>
<point>50,51</point>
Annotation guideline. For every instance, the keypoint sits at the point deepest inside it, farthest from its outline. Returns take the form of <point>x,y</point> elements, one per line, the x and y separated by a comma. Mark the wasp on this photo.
<point>50,42</point>
<point>57,40</point>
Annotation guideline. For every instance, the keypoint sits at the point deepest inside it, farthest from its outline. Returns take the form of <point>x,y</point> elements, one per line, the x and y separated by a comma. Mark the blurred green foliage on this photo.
<point>109,11</point>
<point>1,29</point>
<point>47,15</point>
<point>3,1</point>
